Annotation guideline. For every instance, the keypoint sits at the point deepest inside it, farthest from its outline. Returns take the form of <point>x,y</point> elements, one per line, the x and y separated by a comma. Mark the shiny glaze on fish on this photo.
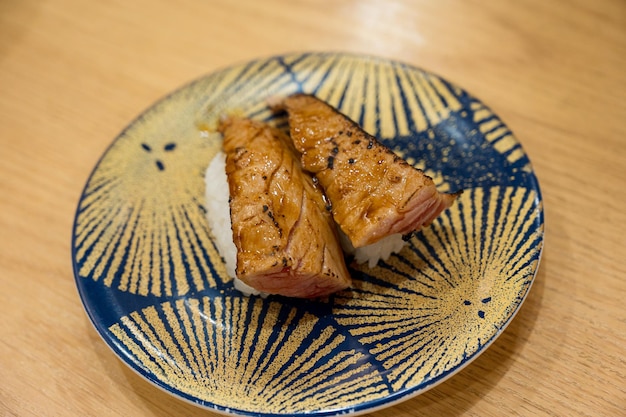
<point>285,237</point>
<point>374,193</point>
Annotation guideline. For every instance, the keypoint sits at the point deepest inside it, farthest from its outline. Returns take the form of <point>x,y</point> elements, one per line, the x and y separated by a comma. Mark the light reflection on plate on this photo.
<point>156,289</point>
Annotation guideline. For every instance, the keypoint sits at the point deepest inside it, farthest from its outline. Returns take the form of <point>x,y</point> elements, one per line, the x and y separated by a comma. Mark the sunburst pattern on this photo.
<point>249,354</point>
<point>140,225</point>
<point>439,301</point>
<point>403,100</point>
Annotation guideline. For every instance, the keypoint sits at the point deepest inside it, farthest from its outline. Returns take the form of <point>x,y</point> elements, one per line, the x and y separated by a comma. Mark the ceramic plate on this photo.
<point>156,289</point>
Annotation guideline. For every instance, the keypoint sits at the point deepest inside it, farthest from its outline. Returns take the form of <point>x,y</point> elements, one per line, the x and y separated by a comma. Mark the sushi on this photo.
<point>285,239</point>
<point>377,198</point>
<point>285,209</point>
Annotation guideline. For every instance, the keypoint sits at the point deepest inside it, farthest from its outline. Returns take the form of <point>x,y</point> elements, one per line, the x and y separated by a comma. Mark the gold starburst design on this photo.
<point>249,354</point>
<point>425,310</point>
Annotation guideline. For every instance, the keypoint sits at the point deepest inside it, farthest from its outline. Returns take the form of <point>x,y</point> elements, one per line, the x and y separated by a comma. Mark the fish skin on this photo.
<point>286,239</point>
<point>374,193</point>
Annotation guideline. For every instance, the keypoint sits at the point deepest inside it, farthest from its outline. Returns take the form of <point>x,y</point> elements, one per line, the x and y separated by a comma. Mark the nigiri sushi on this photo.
<point>375,194</point>
<point>286,241</point>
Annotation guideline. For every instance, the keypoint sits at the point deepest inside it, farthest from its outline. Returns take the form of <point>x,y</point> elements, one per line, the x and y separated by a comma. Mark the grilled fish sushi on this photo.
<point>373,192</point>
<point>286,239</point>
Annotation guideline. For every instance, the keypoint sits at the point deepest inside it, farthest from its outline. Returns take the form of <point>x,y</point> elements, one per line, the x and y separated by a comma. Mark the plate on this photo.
<point>156,289</point>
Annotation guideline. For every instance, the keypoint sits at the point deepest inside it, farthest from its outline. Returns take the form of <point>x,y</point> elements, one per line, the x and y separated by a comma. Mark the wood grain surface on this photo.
<point>74,73</point>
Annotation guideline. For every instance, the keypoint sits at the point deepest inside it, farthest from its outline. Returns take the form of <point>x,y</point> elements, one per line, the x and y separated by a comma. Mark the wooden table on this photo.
<point>74,73</point>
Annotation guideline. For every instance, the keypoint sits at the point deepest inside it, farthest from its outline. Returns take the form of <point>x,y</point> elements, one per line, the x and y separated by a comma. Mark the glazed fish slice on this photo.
<point>374,193</point>
<point>286,240</point>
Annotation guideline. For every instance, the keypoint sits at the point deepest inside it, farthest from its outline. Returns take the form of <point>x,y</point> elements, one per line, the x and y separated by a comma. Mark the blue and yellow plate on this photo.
<point>157,291</point>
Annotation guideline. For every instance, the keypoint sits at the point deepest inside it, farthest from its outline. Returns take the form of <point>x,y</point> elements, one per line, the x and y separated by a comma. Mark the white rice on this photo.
<point>218,215</point>
<point>374,252</point>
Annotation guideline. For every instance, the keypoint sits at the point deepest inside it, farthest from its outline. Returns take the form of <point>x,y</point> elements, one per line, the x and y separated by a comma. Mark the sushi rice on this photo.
<point>218,214</point>
<point>374,252</point>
